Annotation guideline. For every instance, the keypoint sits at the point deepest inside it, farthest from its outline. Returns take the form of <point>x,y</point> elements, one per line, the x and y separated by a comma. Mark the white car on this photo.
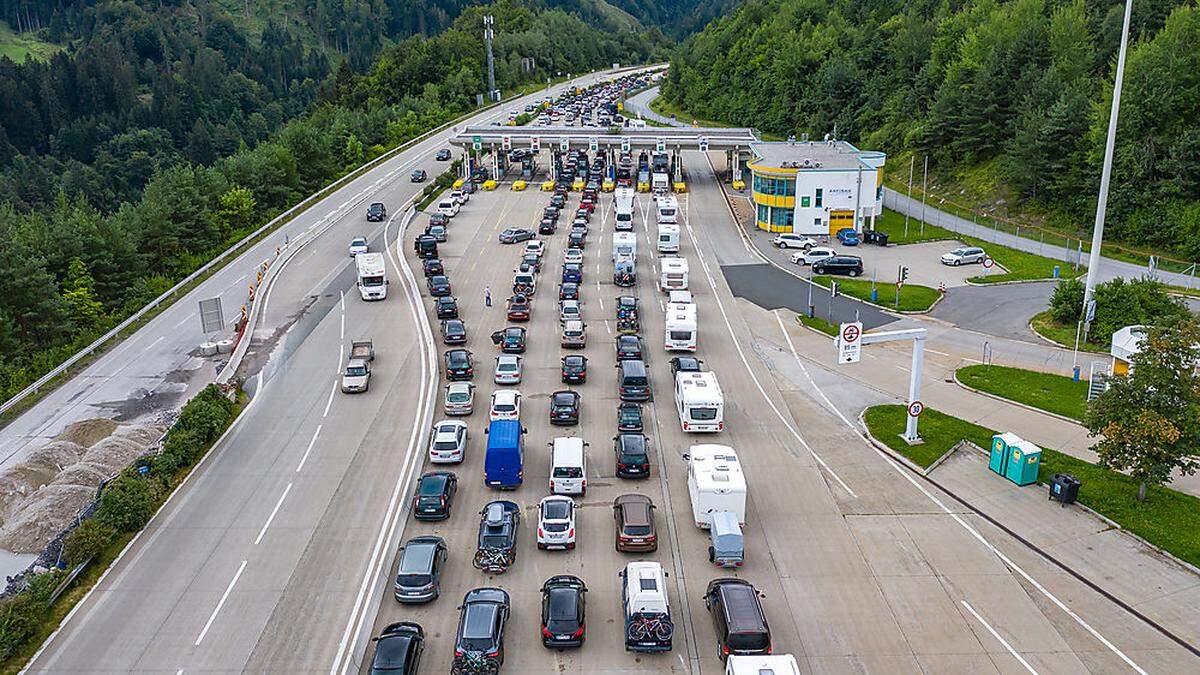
<point>556,523</point>
<point>535,246</point>
<point>460,398</point>
<point>788,240</point>
<point>568,310</point>
<point>358,245</point>
<point>812,255</point>
<point>963,256</point>
<point>448,442</point>
<point>573,256</point>
<point>460,196</point>
<point>508,369</point>
<point>506,405</point>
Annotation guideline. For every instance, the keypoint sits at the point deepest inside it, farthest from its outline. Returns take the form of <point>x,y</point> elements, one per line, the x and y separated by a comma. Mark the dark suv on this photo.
<point>481,625</point>
<point>634,514</point>
<point>497,544</point>
<point>435,495</point>
<point>458,365</point>
<point>563,612</point>
<point>447,307</point>
<point>398,649</point>
<point>629,417</point>
<point>574,369</point>
<point>419,575</point>
<point>839,264</point>
<point>738,618</point>
<point>376,212</point>
<point>564,408</point>
<point>632,456</point>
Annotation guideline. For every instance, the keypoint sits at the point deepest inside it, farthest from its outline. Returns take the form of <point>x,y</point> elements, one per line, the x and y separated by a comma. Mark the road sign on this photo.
<point>564,144</point>
<point>477,142</point>
<point>211,318</point>
<point>535,143</point>
<point>988,262</point>
<point>850,342</point>
<point>915,409</point>
<point>507,143</point>
<point>660,144</point>
<point>593,144</point>
<point>624,145</point>
<point>1089,314</point>
<point>703,144</point>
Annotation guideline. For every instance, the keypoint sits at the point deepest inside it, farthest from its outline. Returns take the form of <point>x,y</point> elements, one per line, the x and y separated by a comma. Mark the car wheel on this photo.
<point>957,263</point>
<point>853,273</point>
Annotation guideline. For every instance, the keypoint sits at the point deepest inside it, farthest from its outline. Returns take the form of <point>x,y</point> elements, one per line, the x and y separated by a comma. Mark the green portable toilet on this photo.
<point>1024,458</point>
<point>998,458</point>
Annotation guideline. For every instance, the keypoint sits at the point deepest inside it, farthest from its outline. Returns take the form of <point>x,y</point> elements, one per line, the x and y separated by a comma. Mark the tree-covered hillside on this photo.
<point>1019,89</point>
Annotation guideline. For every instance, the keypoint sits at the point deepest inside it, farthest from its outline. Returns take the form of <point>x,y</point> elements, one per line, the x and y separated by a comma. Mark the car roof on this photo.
<point>508,358</point>
<point>418,556</point>
<point>564,395</point>
<point>460,386</point>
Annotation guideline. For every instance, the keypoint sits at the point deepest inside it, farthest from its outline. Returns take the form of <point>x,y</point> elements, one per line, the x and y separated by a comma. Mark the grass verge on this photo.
<point>664,108</point>
<point>1062,334</point>
<point>1058,394</point>
<point>817,323</point>
<point>1168,519</point>
<point>913,298</point>
<point>892,223</point>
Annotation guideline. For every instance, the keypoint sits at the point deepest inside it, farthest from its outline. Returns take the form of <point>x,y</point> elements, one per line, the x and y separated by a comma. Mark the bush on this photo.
<point>1119,303</point>
<point>87,540</point>
<point>206,416</point>
<point>1066,303</point>
<point>20,617</point>
<point>128,502</point>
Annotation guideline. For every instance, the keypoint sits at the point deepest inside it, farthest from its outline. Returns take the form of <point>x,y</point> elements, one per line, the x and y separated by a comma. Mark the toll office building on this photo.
<point>815,187</point>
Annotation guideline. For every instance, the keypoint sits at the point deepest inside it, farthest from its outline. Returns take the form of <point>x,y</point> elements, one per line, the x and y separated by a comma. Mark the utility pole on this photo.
<point>924,191</point>
<point>488,34</point>
<point>912,163</point>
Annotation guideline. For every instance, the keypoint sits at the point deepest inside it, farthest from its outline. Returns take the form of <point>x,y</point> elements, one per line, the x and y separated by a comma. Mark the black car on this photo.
<point>434,495</point>
<point>564,408</point>
<point>513,235</point>
<point>558,200</point>
<point>425,246</point>
<point>443,155</point>
<point>376,212</point>
<point>629,416</point>
<point>839,264</point>
<point>419,176</point>
<point>439,219</point>
<point>446,306</point>
<point>685,364</point>
<point>563,611</point>
<point>511,340</point>
<point>632,455</point>
<point>574,369</point>
<point>398,649</point>
<point>499,522</point>
<point>481,626</point>
<point>551,213</point>
<point>629,347</point>
<point>439,285</point>
<point>568,290</point>
<point>454,332</point>
<point>547,226</point>
<point>458,365</point>
<point>432,266</point>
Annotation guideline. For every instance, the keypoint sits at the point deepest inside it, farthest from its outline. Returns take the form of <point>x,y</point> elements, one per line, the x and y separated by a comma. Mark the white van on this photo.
<point>372,276</point>
<point>679,297</point>
<point>680,333</point>
<point>715,483</point>
<point>699,402</point>
<point>674,276</point>
<point>668,238</point>
<point>623,200</point>
<point>448,207</point>
<point>624,246</point>
<point>773,664</point>
<point>667,210</point>
<point>568,466</point>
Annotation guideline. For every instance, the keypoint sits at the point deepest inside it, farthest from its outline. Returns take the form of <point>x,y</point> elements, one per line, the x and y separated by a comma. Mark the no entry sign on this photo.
<point>850,342</point>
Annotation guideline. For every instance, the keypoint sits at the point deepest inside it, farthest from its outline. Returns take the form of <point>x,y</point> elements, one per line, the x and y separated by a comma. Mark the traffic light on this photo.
<point>904,273</point>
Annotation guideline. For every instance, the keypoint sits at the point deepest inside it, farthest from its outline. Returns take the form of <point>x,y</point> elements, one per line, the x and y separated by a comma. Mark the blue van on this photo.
<point>504,464</point>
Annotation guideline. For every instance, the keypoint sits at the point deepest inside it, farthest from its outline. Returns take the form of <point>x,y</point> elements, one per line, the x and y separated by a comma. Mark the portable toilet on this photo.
<point>1024,458</point>
<point>998,458</point>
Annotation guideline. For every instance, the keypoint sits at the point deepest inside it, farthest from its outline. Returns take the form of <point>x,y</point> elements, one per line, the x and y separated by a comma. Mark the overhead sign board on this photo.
<point>477,142</point>
<point>624,145</point>
<point>507,143</point>
<point>593,144</point>
<point>535,143</point>
<point>703,144</point>
<point>849,342</point>
<point>564,144</point>
<point>660,144</point>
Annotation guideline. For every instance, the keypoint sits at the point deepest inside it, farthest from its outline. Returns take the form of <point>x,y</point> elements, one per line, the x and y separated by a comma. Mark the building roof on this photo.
<point>817,154</point>
<point>1128,341</point>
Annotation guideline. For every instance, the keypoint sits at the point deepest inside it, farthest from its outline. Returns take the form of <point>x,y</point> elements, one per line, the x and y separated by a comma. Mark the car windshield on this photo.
<point>500,406</point>
<point>354,371</point>
<point>637,530</point>
<point>458,397</point>
<point>568,472</point>
<point>564,400</point>
<point>556,509</point>
<point>359,242</point>
<point>494,537</point>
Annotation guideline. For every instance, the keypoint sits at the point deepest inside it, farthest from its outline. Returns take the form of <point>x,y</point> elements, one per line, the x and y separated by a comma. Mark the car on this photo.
<point>629,347</point>
<point>624,273</point>
<point>518,308</point>
<point>627,307</point>
<point>573,256</point>
<point>572,272</point>
<point>482,622</point>
<point>839,264</point>
<point>632,455</point>
<point>564,408</point>
<point>524,283</point>
<point>439,219</point>
<point>574,334</point>
<point>536,247</point>
<point>398,649</point>
<point>513,235</point>
<point>454,332</point>
<point>506,405</point>
<point>418,176</point>
<point>568,290</point>
<point>563,612</point>
<point>460,196</point>
<point>556,523</point>
<point>558,200</point>
<point>448,442</point>
<point>510,340</point>
<point>438,232</point>
<point>580,224</point>
<point>550,212</point>
<point>508,369</point>
<point>577,239</point>
<point>419,574</point>
<point>358,245</point>
<point>547,226</point>
<point>848,236</point>
<point>434,496</point>
<point>812,255</point>
<point>376,212</point>
<point>458,365</point>
<point>685,364</point>
<point>574,369</point>
<point>569,310</point>
<point>531,262</point>
<point>446,307</point>
<point>629,416</point>
<point>439,285</point>
<point>460,398</point>
<point>964,256</point>
<point>499,523</point>
<point>789,240</point>
<point>443,155</point>
<point>635,532</point>
<point>432,267</point>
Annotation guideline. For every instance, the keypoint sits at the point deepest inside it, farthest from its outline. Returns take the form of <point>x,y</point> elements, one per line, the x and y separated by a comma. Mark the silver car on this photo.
<point>448,442</point>
<point>419,575</point>
<point>963,256</point>
<point>460,398</point>
<point>356,377</point>
<point>508,369</point>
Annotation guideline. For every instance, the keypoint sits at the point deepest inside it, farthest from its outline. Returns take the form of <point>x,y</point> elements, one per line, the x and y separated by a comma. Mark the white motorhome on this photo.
<point>668,238</point>
<point>699,402</point>
<point>681,332</point>
<point>660,183</point>
<point>372,276</point>
<point>766,664</point>
<point>679,297</point>
<point>623,199</point>
<point>715,483</point>
<point>624,246</point>
<point>674,276</point>
<point>667,209</point>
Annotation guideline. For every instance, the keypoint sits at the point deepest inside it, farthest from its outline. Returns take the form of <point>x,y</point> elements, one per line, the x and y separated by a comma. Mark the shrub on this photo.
<point>20,617</point>
<point>87,540</point>
<point>128,502</point>
<point>1066,303</point>
<point>1119,303</point>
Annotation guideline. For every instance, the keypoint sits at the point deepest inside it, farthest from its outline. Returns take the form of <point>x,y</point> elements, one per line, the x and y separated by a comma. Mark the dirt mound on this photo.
<point>42,516</point>
<point>38,469</point>
<point>87,432</point>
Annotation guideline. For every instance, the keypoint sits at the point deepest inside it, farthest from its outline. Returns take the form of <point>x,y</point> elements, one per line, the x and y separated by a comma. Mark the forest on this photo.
<point>1015,94</point>
<point>136,155</point>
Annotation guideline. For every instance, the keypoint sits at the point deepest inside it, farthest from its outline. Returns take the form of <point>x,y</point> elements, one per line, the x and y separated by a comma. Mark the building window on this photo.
<point>804,201</point>
<point>781,217</point>
<point>817,222</point>
<point>764,214</point>
<point>820,195</point>
<point>789,187</point>
<point>757,183</point>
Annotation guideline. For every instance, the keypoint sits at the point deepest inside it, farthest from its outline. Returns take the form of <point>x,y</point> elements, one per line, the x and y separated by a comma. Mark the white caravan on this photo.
<point>674,275</point>
<point>681,333</point>
<point>372,276</point>
<point>715,483</point>
<point>623,199</point>
<point>624,246</point>
<point>667,210</point>
<point>668,238</point>
<point>699,402</point>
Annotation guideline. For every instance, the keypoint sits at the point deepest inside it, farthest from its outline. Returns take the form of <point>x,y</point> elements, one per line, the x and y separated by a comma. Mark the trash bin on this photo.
<point>869,236</point>
<point>881,238</point>
<point>1064,488</point>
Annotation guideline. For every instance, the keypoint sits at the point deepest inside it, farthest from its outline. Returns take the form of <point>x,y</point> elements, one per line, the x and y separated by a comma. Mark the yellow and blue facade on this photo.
<point>814,188</point>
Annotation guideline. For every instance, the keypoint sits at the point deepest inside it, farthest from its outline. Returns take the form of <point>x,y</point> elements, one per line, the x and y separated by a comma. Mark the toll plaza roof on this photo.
<point>812,155</point>
<point>684,138</point>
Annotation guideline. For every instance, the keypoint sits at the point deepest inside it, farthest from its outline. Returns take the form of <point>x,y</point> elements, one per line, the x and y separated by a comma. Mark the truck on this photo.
<point>623,201</point>
<point>372,276</point>
<point>356,376</point>
<point>681,332</point>
<point>504,463</point>
<point>668,238</point>
<point>643,180</point>
<point>624,246</point>
<point>647,611</point>
<point>674,275</point>
<point>715,483</point>
<point>699,402</point>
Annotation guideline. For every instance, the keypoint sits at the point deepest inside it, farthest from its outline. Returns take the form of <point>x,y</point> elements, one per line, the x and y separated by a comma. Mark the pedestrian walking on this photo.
<point>487,296</point>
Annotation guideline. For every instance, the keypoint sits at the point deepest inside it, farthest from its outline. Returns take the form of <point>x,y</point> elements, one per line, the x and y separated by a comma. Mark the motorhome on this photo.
<point>660,183</point>
<point>699,402</point>
<point>674,276</point>
<point>624,246</point>
<point>668,238</point>
<point>372,276</point>
<point>681,332</point>
<point>623,199</point>
<point>715,483</point>
<point>667,210</point>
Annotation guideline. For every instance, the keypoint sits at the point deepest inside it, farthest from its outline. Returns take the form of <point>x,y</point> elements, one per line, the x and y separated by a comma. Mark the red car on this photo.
<point>518,308</point>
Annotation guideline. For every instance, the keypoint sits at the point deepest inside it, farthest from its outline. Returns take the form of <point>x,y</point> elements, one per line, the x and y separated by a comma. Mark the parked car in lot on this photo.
<point>358,245</point>
<point>812,255</point>
<point>419,574</point>
<point>848,236</point>
<point>446,307</point>
<point>448,442</point>
<point>564,408</point>
<point>574,369</point>
<point>964,256</point>
<point>454,332</point>
<point>789,240</point>
<point>635,531</point>
<point>439,285</point>
<point>434,496</point>
<point>376,212</point>
<point>848,265</point>
<point>563,612</point>
<point>629,416</point>
<point>556,523</point>
<point>513,235</point>
<point>460,398</point>
<point>632,454</point>
<point>418,176</point>
<point>398,649</point>
<point>482,622</point>
<point>458,365</point>
<point>511,340</point>
<point>508,369</point>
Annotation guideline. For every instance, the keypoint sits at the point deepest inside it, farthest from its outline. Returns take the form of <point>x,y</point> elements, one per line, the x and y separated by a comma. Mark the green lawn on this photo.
<point>892,223</point>
<point>818,323</point>
<point>662,107</point>
<point>1054,393</point>
<point>1167,519</point>
<point>913,298</point>
<point>1063,334</point>
<point>17,46</point>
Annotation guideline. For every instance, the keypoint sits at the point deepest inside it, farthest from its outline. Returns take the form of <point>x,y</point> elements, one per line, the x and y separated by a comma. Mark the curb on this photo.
<point>883,447</point>
<point>1012,402</point>
<point>810,328</point>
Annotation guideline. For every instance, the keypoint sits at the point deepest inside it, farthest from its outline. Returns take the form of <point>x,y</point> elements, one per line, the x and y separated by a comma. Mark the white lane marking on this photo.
<point>271,517</point>
<point>607,327</point>
<point>337,368</point>
<point>996,635</point>
<point>343,299</point>
<point>185,320</point>
<point>342,328</point>
<point>310,447</point>
<point>217,609</point>
<point>661,306</point>
<point>601,304</point>
<point>332,391</point>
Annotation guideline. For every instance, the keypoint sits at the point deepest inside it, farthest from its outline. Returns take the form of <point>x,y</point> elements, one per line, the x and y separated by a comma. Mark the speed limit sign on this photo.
<point>915,409</point>
<point>988,262</point>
